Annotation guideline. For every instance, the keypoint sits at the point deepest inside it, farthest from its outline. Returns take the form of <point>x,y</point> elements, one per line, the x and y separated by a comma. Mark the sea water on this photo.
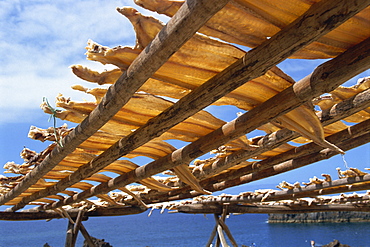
<point>161,230</point>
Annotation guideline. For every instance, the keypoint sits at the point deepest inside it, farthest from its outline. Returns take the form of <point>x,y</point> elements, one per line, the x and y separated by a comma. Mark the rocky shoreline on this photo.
<point>320,217</point>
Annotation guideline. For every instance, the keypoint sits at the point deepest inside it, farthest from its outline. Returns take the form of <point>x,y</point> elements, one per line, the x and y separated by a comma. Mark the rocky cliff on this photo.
<point>319,217</point>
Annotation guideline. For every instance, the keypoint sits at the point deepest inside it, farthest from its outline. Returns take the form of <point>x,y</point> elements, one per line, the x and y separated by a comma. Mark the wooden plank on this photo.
<point>190,17</point>
<point>324,79</point>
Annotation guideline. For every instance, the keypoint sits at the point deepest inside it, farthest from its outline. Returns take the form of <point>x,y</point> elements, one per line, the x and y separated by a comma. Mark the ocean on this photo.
<point>183,230</point>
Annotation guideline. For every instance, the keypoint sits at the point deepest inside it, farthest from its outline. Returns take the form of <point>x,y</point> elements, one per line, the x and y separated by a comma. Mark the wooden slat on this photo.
<point>179,29</point>
<point>324,79</point>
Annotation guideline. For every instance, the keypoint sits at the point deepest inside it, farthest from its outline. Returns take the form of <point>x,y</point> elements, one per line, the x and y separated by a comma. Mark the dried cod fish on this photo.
<point>256,21</point>
<point>302,119</point>
<point>138,111</point>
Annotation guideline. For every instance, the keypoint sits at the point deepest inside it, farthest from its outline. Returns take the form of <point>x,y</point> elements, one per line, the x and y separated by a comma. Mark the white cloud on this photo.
<point>39,40</point>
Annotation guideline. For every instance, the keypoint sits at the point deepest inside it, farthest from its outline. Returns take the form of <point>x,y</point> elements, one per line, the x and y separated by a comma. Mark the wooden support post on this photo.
<point>83,230</point>
<point>69,237</point>
<point>77,226</point>
<point>220,228</point>
<point>225,227</point>
<point>86,235</point>
<point>213,235</point>
<point>221,236</point>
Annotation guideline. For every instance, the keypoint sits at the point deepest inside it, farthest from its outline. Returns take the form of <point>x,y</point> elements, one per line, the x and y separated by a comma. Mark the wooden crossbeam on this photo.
<point>269,209</point>
<point>73,213</point>
<point>336,186</point>
<point>190,17</point>
<point>324,79</point>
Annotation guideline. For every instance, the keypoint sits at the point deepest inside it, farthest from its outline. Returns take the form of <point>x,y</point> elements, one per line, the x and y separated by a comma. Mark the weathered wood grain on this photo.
<point>268,209</point>
<point>51,214</point>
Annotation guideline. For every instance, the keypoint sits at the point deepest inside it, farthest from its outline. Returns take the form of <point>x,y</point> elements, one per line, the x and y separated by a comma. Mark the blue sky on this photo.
<point>39,40</point>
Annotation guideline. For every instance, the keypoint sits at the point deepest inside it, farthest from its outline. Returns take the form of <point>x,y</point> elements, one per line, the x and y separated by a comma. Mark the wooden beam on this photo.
<point>347,107</point>
<point>198,208</point>
<point>335,113</point>
<point>190,17</point>
<point>324,79</point>
<point>51,214</point>
<point>336,186</point>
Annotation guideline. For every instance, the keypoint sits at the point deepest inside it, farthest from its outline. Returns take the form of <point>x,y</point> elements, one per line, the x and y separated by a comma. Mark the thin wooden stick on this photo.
<point>213,234</point>
<point>221,236</point>
<point>190,17</point>
<point>225,227</point>
<point>77,226</point>
<point>69,236</point>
